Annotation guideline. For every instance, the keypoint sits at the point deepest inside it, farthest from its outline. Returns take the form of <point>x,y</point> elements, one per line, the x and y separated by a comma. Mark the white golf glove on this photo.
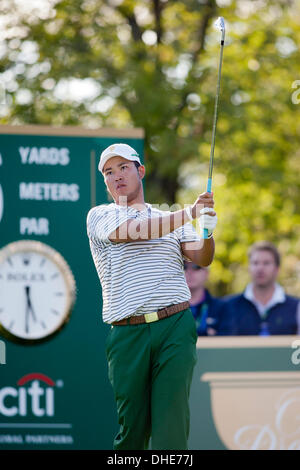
<point>208,221</point>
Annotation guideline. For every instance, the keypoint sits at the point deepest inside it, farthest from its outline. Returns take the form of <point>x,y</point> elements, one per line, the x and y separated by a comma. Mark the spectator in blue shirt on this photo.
<point>263,308</point>
<point>204,306</point>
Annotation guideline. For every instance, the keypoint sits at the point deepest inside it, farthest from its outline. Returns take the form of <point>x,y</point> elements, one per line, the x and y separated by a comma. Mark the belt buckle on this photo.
<point>150,317</point>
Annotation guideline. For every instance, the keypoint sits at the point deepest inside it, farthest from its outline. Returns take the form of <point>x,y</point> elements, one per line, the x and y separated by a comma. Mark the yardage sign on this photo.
<point>54,390</point>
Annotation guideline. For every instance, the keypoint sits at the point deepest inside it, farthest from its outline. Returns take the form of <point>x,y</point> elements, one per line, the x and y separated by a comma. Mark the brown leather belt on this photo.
<point>153,316</point>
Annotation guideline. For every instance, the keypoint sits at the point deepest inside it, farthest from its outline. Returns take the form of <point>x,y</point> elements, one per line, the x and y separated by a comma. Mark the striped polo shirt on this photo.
<point>137,277</point>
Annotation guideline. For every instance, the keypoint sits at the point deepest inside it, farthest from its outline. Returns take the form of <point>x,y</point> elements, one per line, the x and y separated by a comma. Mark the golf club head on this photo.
<point>220,25</point>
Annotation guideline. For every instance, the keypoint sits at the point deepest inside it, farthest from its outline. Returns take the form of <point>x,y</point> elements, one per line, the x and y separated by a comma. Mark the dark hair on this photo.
<point>265,246</point>
<point>136,164</point>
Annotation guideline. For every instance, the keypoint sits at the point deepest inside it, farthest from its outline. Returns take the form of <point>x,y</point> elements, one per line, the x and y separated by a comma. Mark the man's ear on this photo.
<point>141,170</point>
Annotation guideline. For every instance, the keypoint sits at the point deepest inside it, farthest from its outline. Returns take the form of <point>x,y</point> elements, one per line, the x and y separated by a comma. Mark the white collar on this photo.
<point>278,297</point>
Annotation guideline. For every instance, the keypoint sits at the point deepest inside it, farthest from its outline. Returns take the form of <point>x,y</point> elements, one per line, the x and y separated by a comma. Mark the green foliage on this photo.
<point>155,64</point>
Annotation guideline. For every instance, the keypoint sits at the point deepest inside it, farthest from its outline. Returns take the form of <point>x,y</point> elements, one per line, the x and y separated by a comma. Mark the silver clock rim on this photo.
<point>52,254</point>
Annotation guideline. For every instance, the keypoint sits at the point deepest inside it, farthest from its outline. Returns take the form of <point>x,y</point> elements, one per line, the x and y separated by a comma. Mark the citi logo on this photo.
<point>26,399</point>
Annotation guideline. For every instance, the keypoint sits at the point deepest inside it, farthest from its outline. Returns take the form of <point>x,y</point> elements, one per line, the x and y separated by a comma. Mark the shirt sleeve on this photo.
<point>103,220</point>
<point>187,233</point>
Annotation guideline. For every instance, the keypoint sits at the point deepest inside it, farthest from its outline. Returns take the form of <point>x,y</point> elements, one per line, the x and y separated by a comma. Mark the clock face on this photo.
<point>37,291</point>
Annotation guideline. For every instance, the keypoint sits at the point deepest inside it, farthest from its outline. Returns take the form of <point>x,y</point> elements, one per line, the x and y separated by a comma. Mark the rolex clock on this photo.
<point>37,291</point>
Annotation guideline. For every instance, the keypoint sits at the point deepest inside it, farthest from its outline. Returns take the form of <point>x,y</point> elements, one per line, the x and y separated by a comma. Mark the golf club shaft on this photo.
<point>212,149</point>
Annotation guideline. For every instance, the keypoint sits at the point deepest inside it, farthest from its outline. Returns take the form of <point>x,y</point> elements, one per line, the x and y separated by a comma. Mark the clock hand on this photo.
<point>27,311</point>
<point>29,304</point>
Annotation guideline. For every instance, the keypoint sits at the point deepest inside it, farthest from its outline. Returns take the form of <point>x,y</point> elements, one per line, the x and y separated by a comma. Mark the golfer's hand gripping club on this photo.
<point>202,209</point>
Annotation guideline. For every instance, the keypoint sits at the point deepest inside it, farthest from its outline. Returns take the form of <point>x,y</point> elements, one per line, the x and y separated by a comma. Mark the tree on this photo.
<point>133,50</point>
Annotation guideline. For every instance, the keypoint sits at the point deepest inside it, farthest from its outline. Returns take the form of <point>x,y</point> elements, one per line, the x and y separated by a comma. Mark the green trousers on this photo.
<point>150,367</point>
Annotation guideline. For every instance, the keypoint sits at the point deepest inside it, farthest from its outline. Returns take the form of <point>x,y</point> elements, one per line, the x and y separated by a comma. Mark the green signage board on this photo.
<point>54,390</point>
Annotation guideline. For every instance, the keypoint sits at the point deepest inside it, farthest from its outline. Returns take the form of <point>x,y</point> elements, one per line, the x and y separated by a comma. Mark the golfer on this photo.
<point>138,251</point>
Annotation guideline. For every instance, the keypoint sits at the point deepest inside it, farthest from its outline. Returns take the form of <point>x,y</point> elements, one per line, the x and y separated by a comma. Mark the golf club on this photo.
<point>220,25</point>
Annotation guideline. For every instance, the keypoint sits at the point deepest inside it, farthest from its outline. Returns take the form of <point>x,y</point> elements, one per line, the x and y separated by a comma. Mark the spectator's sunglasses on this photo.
<point>192,266</point>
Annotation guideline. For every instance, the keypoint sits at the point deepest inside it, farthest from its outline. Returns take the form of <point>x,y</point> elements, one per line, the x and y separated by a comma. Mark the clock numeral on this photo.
<point>9,262</point>
<point>1,310</point>
<point>11,324</point>
<point>43,325</point>
<point>59,294</point>
<point>54,311</point>
<point>54,276</point>
<point>26,260</point>
<point>42,262</point>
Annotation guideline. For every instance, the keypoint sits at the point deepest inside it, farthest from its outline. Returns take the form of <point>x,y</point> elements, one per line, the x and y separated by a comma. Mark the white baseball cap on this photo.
<point>118,150</point>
